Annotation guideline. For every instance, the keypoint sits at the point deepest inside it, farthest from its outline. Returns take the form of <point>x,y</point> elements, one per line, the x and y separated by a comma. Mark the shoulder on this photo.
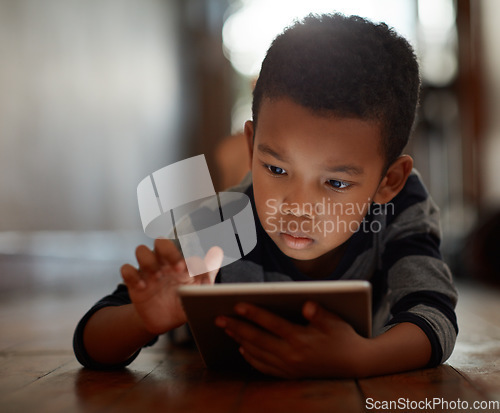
<point>413,193</point>
<point>412,211</point>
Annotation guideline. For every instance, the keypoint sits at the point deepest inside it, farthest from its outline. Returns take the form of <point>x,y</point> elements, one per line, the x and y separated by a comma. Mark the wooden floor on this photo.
<point>40,373</point>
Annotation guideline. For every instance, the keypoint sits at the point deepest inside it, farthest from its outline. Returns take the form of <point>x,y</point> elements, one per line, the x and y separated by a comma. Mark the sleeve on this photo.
<point>420,285</point>
<point>119,297</point>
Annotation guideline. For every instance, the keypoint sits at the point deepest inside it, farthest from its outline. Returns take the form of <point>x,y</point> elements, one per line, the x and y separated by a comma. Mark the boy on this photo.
<point>332,111</point>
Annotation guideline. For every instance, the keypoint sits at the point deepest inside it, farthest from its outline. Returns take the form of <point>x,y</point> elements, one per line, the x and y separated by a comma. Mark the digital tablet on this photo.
<point>351,300</point>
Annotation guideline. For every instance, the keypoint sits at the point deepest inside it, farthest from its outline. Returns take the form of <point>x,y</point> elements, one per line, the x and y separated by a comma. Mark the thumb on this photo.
<point>318,316</point>
<point>213,261</point>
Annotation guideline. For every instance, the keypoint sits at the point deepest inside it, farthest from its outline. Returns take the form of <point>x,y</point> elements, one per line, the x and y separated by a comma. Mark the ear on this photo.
<point>394,179</point>
<point>249,131</point>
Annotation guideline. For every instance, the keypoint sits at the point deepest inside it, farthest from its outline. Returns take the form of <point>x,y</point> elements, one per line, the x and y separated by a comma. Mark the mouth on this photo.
<point>296,241</point>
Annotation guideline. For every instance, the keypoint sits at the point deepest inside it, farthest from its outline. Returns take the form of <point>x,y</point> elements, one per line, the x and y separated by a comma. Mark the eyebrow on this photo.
<point>348,169</point>
<point>262,147</point>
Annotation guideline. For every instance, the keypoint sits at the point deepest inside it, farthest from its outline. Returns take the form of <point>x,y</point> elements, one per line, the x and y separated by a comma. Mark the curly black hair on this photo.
<point>348,67</point>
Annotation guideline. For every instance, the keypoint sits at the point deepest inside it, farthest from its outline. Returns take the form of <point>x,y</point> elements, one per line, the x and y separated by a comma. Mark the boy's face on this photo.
<point>313,178</point>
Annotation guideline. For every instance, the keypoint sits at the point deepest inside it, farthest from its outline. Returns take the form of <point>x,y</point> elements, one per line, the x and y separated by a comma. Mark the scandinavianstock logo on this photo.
<point>179,202</point>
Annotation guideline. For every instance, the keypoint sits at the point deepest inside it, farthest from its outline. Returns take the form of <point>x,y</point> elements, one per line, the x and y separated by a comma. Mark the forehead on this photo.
<point>291,130</point>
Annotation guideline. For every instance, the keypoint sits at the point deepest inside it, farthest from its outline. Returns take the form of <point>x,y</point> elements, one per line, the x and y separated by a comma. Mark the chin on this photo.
<point>298,255</point>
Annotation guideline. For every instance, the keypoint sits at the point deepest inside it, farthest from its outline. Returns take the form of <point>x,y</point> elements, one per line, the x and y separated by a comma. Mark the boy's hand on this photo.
<point>153,286</point>
<point>327,347</point>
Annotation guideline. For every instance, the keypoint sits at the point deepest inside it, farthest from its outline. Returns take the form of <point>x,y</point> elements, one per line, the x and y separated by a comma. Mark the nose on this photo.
<point>298,201</point>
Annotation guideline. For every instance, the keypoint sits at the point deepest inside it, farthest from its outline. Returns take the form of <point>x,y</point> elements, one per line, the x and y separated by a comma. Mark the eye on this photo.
<point>336,184</point>
<point>276,170</point>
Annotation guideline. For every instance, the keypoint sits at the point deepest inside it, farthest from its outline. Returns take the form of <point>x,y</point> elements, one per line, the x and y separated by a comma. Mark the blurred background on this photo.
<point>97,94</point>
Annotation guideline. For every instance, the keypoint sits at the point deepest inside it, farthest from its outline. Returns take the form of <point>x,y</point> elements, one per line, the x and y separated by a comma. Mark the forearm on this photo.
<point>404,347</point>
<point>113,334</point>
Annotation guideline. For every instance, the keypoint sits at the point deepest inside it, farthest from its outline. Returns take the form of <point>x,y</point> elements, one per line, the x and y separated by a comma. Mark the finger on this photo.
<point>319,317</point>
<point>207,267</point>
<point>196,266</point>
<point>213,261</point>
<point>214,257</point>
<point>131,277</point>
<point>146,259</point>
<point>166,252</point>
<point>244,332</point>
<point>260,365</point>
<point>256,353</point>
<point>269,321</point>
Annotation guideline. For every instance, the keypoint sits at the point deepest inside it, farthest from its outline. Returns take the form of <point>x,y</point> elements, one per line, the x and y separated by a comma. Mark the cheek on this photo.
<point>265,202</point>
<point>264,187</point>
<point>352,213</point>
<point>341,220</point>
